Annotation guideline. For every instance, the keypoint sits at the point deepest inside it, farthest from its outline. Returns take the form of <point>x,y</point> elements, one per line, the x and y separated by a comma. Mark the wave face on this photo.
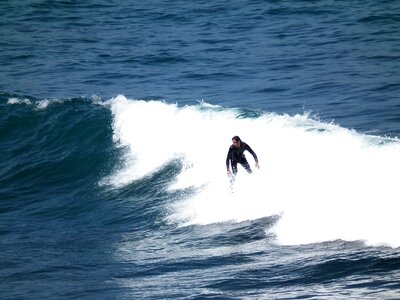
<point>130,199</point>
<point>324,181</point>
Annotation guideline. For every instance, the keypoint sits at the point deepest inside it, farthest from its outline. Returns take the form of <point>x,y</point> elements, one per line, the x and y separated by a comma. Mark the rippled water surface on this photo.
<point>116,117</point>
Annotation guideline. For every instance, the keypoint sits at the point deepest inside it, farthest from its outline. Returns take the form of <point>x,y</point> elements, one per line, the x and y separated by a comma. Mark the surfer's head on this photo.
<point>236,141</point>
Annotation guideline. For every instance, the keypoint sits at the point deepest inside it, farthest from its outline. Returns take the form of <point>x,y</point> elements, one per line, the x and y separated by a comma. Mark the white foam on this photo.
<point>19,101</point>
<point>42,104</point>
<point>325,181</point>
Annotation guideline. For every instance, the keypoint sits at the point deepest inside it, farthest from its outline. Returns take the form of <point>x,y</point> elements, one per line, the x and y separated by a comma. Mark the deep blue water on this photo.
<point>103,196</point>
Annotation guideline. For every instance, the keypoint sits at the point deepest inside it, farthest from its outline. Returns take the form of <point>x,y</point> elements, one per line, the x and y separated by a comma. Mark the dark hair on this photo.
<point>236,138</point>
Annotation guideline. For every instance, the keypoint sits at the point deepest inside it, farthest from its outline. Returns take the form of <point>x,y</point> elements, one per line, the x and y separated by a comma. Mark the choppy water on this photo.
<point>115,122</point>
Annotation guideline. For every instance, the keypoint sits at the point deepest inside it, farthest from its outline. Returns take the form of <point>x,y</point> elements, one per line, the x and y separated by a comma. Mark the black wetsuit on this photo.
<point>236,155</point>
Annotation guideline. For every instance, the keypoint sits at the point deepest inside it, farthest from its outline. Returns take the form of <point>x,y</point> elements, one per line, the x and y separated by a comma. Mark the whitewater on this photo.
<point>325,182</point>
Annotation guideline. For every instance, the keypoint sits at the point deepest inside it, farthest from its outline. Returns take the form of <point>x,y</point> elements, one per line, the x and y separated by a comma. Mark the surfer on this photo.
<point>235,156</point>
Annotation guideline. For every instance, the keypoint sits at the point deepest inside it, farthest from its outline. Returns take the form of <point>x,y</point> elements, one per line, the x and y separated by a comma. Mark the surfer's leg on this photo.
<point>246,165</point>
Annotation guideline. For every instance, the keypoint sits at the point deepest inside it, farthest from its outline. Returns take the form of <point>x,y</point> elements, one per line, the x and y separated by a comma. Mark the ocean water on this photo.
<point>115,121</point>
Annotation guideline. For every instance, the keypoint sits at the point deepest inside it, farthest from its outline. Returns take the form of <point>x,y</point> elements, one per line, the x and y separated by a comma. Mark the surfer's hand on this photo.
<point>229,173</point>
<point>257,166</point>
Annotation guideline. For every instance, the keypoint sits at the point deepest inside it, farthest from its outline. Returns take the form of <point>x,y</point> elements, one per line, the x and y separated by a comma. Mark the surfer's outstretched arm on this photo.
<point>228,157</point>
<point>247,147</point>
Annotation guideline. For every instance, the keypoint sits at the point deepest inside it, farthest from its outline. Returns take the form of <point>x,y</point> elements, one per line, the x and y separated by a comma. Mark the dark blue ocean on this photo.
<point>115,122</point>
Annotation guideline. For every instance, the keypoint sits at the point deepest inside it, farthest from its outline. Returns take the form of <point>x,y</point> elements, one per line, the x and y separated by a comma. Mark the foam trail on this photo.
<point>325,181</point>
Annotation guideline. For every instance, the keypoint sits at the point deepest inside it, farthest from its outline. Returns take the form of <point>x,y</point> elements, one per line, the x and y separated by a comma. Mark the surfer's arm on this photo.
<point>247,147</point>
<point>228,157</point>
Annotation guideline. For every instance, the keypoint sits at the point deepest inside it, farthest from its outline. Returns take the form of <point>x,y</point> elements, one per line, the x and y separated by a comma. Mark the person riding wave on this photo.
<point>236,155</point>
